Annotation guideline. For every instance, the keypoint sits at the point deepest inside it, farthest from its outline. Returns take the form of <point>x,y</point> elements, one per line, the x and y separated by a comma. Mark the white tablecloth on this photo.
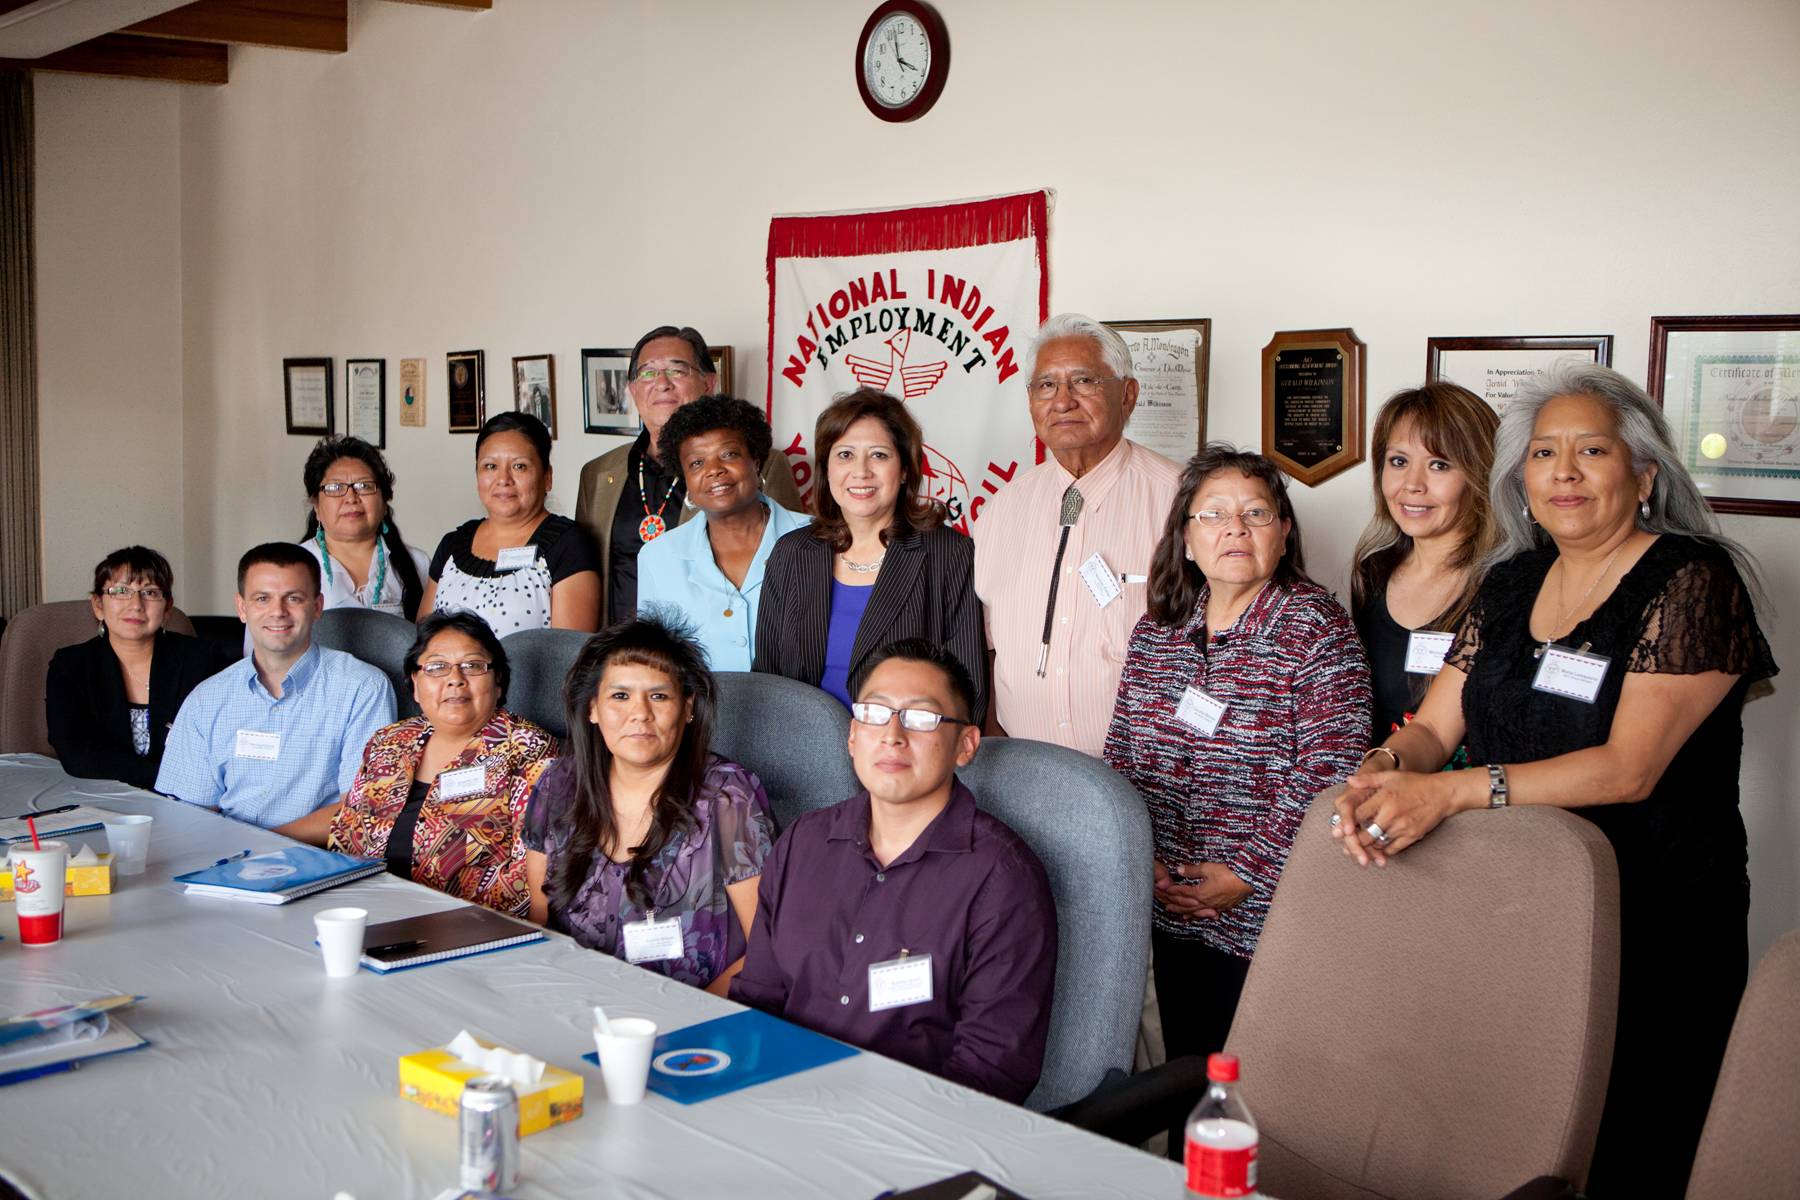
<point>266,1079</point>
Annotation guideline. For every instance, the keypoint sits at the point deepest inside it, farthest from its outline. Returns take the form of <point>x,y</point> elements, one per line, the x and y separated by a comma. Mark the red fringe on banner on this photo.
<point>899,230</point>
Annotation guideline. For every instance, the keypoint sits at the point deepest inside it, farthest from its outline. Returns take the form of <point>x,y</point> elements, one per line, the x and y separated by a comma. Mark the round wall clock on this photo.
<point>902,60</point>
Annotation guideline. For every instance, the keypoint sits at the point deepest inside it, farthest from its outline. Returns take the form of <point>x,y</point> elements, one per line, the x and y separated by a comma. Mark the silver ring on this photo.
<point>1336,819</point>
<point>1381,839</point>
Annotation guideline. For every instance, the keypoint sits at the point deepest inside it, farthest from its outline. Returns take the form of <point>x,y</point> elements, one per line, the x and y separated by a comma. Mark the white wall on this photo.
<point>563,173</point>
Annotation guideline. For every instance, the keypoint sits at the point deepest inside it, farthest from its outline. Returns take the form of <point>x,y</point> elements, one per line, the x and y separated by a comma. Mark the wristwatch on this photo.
<point>1498,795</point>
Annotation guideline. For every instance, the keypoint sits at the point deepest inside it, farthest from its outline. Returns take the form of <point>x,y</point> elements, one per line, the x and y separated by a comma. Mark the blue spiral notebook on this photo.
<point>278,876</point>
<point>718,1057</point>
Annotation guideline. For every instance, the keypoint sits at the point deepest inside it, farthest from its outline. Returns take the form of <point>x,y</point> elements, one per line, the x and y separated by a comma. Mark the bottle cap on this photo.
<point>1222,1068</point>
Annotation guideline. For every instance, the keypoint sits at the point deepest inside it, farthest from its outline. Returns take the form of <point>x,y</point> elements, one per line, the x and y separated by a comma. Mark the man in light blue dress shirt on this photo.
<point>720,445</point>
<point>281,733</point>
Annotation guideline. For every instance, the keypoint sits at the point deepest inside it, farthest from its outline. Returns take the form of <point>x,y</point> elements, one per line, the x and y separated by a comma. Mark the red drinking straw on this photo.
<point>32,825</point>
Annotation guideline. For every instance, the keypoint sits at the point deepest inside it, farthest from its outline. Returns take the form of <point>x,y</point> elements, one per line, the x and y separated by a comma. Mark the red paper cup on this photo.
<point>38,875</point>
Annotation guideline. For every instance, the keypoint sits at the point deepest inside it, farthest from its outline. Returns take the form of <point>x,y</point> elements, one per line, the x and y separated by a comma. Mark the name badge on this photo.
<point>264,747</point>
<point>1425,651</point>
<point>514,558</point>
<point>1100,580</point>
<point>465,781</point>
<point>651,940</point>
<point>1571,673</point>
<point>1198,710</point>
<point>899,982</point>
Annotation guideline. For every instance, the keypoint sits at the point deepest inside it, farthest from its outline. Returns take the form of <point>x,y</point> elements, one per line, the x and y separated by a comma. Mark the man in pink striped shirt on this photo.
<point>1058,650</point>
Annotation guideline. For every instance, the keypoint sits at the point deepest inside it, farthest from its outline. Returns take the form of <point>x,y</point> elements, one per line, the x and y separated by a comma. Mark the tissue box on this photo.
<point>94,879</point>
<point>435,1079</point>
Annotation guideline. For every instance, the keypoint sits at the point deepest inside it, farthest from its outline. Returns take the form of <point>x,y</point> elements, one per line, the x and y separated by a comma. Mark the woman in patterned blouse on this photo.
<point>1244,695</point>
<point>440,796</point>
<point>642,843</point>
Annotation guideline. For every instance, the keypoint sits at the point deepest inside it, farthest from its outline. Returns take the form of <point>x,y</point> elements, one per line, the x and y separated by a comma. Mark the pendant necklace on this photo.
<point>1564,615</point>
<point>653,525</point>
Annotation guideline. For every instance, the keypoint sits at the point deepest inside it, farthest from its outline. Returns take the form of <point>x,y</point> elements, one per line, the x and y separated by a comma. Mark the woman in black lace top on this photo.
<point>1603,669</point>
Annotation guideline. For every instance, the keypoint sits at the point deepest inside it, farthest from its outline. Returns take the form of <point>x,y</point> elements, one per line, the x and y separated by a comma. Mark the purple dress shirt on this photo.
<point>968,892</point>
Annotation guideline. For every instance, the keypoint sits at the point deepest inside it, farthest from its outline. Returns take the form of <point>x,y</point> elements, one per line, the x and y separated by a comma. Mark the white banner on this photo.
<point>936,306</point>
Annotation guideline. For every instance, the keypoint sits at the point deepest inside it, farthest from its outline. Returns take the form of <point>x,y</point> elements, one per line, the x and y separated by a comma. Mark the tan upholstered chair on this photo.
<point>1751,1147</point>
<point>25,649</point>
<point>1443,1027</point>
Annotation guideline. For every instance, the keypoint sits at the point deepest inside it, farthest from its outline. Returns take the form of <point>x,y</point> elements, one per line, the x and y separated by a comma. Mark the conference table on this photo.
<point>265,1078</point>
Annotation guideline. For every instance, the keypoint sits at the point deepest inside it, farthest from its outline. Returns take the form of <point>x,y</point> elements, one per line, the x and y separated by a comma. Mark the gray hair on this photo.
<point>1112,347</point>
<point>1676,505</point>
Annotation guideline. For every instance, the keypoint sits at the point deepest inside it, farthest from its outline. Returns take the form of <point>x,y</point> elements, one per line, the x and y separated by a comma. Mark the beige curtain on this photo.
<point>21,563</point>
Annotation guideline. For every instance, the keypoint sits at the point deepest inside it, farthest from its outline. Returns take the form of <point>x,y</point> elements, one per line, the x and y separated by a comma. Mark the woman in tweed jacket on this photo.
<point>1244,694</point>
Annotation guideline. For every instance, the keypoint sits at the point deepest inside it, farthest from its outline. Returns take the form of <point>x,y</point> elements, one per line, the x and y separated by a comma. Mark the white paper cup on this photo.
<point>341,939</point>
<point>128,837</point>
<point>38,875</point>
<point>625,1057</point>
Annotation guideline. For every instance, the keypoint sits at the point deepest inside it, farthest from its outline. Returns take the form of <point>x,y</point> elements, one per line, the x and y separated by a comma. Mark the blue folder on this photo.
<point>718,1057</point>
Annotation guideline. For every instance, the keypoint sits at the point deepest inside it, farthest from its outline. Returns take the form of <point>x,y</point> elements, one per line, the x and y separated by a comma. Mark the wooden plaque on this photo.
<point>1313,402</point>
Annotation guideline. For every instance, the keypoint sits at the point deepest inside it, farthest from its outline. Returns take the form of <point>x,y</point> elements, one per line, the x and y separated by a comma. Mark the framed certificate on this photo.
<point>306,384</point>
<point>365,400</point>
<point>1730,387</point>
<point>1494,367</point>
<point>1171,361</point>
<point>412,392</point>
<point>1313,402</point>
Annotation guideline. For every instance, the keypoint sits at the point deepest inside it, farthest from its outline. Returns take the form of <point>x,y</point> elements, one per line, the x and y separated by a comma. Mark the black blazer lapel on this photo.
<point>895,593</point>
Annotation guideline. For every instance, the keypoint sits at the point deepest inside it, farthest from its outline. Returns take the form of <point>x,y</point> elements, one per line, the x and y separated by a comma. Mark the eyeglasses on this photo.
<point>473,669</point>
<point>674,372</point>
<point>1212,518</point>
<point>1082,386</point>
<point>361,487</point>
<point>151,595</point>
<point>914,720</point>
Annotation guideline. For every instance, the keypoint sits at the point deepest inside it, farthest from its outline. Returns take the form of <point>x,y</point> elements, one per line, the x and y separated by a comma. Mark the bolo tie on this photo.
<point>1071,509</point>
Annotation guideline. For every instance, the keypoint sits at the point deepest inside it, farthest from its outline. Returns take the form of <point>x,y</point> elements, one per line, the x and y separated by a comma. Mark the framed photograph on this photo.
<point>606,405</point>
<point>467,370</point>
<point>365,400</point>
<point>1313,381</point>
<point>412,392</point>
<point>1171,361</point>
<point>721,365</point>
<point>1494,367</point>
<point>1730,387</point>
<point>306,384</point>
<point>534,388</point>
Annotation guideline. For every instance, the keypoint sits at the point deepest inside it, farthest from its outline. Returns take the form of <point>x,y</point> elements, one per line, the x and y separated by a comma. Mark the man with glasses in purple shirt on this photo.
<point>905,920</point>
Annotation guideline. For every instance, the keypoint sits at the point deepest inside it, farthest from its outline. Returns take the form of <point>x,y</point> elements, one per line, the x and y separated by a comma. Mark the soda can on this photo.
<point>490,1135</point>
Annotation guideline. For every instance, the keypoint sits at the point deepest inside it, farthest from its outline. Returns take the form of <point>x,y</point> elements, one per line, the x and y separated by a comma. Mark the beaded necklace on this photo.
<point>380,563</point>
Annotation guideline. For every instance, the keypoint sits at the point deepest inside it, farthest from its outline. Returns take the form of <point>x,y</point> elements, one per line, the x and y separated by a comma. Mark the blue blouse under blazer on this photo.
<point>677,573</point>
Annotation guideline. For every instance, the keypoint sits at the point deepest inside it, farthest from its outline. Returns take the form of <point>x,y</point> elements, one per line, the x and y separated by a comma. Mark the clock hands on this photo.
<point>894,41</point>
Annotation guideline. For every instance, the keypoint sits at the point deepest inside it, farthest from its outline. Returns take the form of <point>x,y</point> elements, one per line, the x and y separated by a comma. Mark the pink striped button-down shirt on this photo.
<point>1125,500</point>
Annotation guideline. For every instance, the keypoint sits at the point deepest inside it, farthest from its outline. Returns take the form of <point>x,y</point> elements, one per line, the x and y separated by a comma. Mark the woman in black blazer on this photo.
<point>878,564</point>
<point>109,701</point>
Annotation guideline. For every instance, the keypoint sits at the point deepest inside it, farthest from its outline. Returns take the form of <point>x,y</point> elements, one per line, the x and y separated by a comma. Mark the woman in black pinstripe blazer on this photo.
<point>878,564</point>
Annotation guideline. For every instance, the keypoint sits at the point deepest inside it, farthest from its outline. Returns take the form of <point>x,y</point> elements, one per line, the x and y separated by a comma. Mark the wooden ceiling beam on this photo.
<point>287,24</point>
<point>124,57</point>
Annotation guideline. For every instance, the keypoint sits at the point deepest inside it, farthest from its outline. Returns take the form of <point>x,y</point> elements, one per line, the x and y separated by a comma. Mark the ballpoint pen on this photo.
<point>233,858</point>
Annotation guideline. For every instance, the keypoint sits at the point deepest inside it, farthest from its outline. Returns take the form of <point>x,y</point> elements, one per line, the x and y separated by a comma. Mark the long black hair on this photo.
<point>665,647</point>
<point>400,561</point>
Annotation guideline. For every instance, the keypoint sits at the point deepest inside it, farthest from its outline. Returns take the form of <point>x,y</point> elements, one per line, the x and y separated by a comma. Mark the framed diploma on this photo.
<point>365,400</point>
<point>1494,367</point>
<point>606,405</point>
<point>412,392</point>
<point>1171,361</point>
<point>1313,402</point>
<point>467,370</point>
<point>306,382</point>
<point>534,388</point>
<point>1730,387</point>
<point>721,365</point>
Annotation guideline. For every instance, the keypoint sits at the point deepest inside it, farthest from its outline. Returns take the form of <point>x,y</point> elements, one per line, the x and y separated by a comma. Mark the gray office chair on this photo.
<point>377,638</point>
<point>540,661</point>
<point>792,735</point>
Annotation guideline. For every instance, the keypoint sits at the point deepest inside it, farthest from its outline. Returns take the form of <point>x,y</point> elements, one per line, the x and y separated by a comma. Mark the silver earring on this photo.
<point>1644,509</point>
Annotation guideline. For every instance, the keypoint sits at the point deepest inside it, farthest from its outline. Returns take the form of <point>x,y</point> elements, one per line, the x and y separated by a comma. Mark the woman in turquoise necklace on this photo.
<point>350,529</point>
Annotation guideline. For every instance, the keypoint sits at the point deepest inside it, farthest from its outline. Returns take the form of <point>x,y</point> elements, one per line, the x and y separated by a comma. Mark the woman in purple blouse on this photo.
<point>641,843</point>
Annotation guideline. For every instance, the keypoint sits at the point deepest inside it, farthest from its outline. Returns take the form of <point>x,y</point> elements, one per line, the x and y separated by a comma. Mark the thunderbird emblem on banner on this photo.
<point>935,305</point>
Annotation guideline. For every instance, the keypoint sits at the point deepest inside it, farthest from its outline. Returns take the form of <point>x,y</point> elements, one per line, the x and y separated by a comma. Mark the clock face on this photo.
<point>897,60</point>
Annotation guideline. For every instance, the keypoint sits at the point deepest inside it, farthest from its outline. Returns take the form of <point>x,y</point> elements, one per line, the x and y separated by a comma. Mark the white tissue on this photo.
<point>520,1070</point>
<point>85,857</point>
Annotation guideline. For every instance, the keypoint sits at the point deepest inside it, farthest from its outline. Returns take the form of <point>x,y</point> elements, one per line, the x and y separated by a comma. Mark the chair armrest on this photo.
<point>1135,1108</point>
<point>1544,1187</point>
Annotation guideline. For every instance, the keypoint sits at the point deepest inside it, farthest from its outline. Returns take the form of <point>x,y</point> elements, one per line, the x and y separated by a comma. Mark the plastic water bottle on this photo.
<point>1221,1136</point>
